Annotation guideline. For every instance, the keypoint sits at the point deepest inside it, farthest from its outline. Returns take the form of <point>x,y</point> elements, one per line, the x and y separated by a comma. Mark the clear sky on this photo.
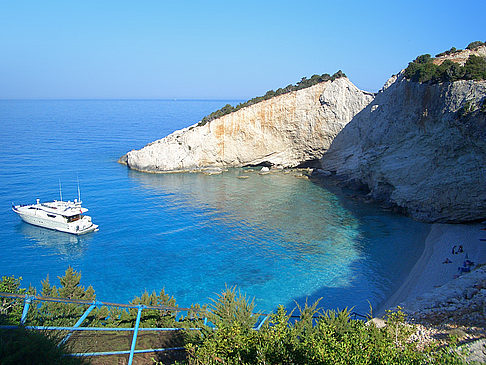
<point>217,49</point>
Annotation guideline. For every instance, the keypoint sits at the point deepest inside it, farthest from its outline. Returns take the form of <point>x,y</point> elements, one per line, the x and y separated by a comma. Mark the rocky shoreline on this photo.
<point>443,295</point>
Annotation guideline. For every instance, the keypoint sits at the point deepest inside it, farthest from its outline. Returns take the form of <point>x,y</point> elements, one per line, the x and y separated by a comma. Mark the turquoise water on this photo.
<point>278,237</point>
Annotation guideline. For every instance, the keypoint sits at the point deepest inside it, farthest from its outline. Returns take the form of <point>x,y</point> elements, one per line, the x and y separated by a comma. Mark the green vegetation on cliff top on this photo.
<point>423,69</point>
<point>302,84</point>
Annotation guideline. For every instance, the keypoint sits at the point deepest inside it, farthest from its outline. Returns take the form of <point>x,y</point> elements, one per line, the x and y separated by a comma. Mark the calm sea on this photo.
<point>277,237</point>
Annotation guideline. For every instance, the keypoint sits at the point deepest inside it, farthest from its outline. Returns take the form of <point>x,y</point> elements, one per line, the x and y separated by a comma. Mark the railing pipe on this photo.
<point>135,333</point>
<point>107,329</point>
<point>78,323</point>
<point>89,302</point>
<point>262,322</point>
<point>79,354</point>
<point>27,301</point>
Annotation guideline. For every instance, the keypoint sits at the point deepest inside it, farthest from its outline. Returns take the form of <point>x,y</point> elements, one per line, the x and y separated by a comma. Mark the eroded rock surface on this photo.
<point>421,147</point>
<point>287,131</point>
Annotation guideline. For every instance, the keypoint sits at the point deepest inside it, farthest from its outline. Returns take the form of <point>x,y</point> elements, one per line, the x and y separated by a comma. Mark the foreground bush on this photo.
<point>21,346</point>
<point>317,337</point>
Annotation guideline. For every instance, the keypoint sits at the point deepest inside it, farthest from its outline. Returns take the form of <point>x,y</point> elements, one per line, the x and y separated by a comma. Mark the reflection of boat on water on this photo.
<point>58,215</point>
<point>65,244</point>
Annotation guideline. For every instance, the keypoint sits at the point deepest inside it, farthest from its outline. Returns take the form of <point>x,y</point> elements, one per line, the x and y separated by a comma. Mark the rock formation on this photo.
<point>289,130</point>
<point>417,146</point>
<point>421,147</point>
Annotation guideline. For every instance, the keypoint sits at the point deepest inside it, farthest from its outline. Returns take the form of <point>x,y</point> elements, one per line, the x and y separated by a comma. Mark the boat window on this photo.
<point>73,218</point>
<point>51,215</point>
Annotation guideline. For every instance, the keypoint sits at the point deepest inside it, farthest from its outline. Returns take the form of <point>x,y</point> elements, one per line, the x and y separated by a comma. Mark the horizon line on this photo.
<point>122,99</point>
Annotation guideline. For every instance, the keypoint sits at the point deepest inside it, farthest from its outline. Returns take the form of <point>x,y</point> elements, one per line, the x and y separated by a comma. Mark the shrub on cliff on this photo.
<point>302,84</point>
<point>446,53</point>
<point>423,69</point>
<point>449,71</point>
<point>475,44</point>
<point>475,68</point>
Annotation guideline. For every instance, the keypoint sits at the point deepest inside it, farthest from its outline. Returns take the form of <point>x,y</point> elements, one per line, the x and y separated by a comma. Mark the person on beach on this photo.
<point>454,250</point>
<point>460,250</point>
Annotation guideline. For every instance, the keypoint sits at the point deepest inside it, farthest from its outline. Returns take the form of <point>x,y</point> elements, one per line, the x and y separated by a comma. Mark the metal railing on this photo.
<point>29,299</point>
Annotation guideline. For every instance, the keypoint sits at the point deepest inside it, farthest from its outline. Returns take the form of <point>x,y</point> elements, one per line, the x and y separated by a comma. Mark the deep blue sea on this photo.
<point>279,238</point>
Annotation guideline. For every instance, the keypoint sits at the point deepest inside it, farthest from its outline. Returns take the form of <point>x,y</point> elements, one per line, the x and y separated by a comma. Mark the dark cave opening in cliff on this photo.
<point>313,164</point>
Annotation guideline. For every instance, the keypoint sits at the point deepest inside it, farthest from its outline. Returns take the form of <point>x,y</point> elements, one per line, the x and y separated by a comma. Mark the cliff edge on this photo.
<point>421,147</point>
<point>288,130</point>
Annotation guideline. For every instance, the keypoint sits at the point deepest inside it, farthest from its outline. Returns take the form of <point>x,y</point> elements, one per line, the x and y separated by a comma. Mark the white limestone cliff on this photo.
<point>287,131</point>
<point>421,147</point>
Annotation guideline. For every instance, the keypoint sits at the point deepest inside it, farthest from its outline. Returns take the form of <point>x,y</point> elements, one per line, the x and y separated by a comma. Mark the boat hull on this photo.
<point>57,226</point>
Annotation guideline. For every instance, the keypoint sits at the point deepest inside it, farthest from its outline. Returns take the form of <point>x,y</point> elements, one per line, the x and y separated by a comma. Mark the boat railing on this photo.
<point>20,205</point>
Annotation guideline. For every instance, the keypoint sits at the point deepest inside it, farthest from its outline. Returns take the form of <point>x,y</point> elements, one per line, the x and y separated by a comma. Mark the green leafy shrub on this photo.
<point>154,318</point>
<point>475,68</point>
<point>62,314</point>
<point>302,84</point>
<point>232,316</point>
<point>449,52</point>
<point>423,69</point>
<point>317,337</point>
<point>11,309</point>
<point>475,44</point>
<point>449,71</point>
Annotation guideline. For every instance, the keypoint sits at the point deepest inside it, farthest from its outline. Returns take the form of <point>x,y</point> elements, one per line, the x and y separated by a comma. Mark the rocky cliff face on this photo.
<point>421,147</point>
<point>288,130</point>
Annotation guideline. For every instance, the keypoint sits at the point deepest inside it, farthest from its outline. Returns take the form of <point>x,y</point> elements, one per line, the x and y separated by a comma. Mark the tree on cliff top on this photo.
<point>423,69</point>
<point>302,84</point>
<point>475,44</point>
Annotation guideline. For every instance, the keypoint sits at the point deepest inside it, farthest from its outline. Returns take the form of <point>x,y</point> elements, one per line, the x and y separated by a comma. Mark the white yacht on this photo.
<point>58,215</point>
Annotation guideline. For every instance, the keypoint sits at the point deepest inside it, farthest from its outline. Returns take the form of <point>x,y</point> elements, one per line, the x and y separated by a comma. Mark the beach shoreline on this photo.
<point>451,243</point>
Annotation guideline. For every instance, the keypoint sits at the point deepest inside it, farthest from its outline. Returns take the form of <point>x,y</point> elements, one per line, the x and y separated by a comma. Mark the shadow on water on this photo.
<point>391,244</point>
<point>290,239</point>
<point>66,245</point>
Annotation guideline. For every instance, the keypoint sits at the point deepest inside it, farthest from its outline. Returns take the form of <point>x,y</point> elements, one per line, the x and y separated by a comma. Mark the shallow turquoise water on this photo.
<point>277,237</point>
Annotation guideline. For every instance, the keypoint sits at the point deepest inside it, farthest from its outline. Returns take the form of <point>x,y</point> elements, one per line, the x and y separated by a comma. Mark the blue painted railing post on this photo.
<point>262,322</point>
<point>135,332</point>
<point>28,300</point>
<point>78,323</point>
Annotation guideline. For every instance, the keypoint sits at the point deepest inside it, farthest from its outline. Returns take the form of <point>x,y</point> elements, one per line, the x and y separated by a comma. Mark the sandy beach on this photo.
<point>442,245</point>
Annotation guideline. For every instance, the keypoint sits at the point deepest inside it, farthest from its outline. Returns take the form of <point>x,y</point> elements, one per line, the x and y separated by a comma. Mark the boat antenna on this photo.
<point>79,192</point>
<point>60,189</point>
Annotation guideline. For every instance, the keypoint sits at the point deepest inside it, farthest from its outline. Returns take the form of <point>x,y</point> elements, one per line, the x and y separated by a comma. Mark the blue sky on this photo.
<point>217,49</point>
